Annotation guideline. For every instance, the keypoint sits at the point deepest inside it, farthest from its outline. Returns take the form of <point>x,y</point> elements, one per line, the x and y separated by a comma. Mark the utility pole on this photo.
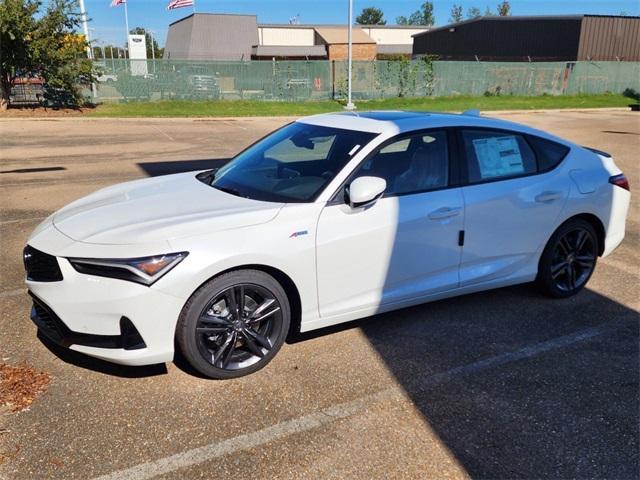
<point>350,105</point>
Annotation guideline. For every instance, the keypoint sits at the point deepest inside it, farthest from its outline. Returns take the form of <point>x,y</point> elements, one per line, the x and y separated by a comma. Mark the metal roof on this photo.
<point>318,25</point>
<point>290,51</point>
<point>516,18</point>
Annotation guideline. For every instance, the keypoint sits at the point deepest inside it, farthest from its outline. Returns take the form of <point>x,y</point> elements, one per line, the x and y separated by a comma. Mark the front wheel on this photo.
<point>569,259</point>
<point>234,324</point>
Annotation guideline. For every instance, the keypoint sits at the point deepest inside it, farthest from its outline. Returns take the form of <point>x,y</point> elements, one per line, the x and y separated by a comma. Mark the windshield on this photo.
<point>292,164</point>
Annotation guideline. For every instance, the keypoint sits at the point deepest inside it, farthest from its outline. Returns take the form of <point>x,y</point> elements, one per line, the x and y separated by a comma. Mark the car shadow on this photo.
<point>155,169</point>
<point>570,411</point>
<point>81,360</point>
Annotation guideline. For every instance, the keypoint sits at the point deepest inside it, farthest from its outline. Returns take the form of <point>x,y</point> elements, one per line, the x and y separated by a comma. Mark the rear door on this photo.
<point>511,207</point>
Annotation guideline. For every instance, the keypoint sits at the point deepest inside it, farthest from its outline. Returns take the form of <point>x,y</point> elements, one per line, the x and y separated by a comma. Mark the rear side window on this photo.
<point>549,153</point>
<point>496,154</point>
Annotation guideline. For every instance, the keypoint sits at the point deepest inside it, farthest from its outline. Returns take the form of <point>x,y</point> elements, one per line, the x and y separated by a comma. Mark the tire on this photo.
<point>568,259</point>
<point>217,341</point>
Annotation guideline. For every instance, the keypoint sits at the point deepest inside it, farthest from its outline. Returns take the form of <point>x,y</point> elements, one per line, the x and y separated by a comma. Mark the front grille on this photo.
<point>40,266</point>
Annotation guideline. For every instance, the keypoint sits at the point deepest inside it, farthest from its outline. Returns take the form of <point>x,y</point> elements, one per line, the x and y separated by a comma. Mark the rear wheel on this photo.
<point>234,324</point>
<point>569,259</point>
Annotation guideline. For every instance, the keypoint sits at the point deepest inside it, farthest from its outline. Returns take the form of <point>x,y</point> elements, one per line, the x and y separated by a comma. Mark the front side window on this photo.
<point>412,164</point>
<point>293,164</point>
<point>494,154</point>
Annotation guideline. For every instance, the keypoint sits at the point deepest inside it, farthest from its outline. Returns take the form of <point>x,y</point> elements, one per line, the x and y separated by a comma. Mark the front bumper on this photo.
<point>114,320</point>
<point>52,327</point>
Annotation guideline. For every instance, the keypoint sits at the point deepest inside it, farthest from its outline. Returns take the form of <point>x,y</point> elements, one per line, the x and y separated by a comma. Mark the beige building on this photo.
<point>336,41</point>
<point>211,36</point>
<point>369,41</point>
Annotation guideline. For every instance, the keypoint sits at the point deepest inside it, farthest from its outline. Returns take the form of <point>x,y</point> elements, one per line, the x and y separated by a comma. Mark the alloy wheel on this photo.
<point>239,326</point>
<point>573,260</point>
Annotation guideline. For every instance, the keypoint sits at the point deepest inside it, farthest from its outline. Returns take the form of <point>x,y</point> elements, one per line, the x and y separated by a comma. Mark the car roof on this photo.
<point>398,121</point>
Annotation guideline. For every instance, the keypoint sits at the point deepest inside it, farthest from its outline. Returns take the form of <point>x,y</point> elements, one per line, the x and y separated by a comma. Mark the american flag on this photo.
<point>179,4</point>
<point>115,3</point>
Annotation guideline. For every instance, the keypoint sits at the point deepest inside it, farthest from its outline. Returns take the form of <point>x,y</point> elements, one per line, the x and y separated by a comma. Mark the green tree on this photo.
<point>473,12</point>
<point>150,41</point>
<point>60,54</point>
<point>424,16</point>
<point>42,41</point>
<point>504,8</point>
<point>488,12</point>
<point>371,16</point>
<point>17,24</point>
<point>456,14</point>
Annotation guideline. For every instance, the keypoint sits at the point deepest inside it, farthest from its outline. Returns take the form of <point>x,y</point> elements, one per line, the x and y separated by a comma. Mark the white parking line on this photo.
<point>314,420</point>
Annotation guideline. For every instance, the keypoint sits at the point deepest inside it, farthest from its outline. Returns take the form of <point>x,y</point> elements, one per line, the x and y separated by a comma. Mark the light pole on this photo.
<point>85,27</point>
<point>350,105</point>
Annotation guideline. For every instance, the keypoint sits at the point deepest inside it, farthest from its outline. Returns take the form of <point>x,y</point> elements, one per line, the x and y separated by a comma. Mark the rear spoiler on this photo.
<point>598,152</point>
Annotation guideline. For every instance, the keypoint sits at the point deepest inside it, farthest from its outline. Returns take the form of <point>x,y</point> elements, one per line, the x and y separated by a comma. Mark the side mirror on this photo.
<point>365,191</point>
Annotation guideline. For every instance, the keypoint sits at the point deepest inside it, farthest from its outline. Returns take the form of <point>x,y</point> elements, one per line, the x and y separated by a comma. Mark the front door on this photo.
<point>403,247</point>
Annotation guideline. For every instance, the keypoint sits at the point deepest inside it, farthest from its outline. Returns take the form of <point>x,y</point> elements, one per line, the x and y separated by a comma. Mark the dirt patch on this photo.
<point>20,385</point>
<point>40,112</point>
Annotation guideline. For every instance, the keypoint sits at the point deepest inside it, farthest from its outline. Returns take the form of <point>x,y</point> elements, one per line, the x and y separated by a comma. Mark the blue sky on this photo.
<point>108,23</point>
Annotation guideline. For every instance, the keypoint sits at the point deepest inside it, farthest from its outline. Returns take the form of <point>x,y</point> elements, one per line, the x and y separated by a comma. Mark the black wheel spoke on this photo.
<point>211,329</point>
<point>240,301</point>
<point>251,344</point>
<point>214,320</point>
<point>581,239</point>
<point>263,341</point>
<point>558,269</point>
<point>571,277</point>
<point>229,350</point>
<point>215,357</point>
<point>263,307</point>
<point>585,261</point>
<point>565,246</point>
<point>265,316</point>
<point>232,302</point>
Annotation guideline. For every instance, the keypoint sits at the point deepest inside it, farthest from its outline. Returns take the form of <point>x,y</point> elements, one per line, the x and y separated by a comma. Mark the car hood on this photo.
<point>158,209</point>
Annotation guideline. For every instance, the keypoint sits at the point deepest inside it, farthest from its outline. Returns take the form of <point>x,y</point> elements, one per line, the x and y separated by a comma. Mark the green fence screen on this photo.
<point>129,80</point>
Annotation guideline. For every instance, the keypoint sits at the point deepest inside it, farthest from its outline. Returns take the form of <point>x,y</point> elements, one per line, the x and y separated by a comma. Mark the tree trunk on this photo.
<point>5,91</point>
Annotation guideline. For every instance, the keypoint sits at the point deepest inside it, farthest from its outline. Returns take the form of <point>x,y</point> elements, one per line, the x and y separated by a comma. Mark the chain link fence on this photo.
<point>138,80</point>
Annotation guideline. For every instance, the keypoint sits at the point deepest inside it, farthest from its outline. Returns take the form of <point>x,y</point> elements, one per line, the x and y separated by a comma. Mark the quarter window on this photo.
<point>493,154</point>
<point>412,164</point>
<point>549,153</point>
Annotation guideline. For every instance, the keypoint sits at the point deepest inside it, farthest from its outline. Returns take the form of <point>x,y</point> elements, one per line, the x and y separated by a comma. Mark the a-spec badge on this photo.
<point>299,234</point>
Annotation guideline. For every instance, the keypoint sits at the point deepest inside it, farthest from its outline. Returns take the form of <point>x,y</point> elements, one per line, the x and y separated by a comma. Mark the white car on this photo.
<point>329,219</point>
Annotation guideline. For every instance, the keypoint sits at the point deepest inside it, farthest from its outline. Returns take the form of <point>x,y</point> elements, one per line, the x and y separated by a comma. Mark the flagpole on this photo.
<point>194,6</point>
<point>126,21</point>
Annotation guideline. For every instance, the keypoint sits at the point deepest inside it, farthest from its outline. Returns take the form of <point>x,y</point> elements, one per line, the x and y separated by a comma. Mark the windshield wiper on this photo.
<point>208,177</point>
<point>231,191</point>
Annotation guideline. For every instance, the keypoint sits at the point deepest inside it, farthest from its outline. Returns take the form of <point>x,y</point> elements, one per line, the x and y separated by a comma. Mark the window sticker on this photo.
<point>498,156</point>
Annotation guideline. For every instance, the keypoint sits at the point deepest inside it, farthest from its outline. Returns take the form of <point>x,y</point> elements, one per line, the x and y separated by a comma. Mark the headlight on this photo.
<point>145,270</point>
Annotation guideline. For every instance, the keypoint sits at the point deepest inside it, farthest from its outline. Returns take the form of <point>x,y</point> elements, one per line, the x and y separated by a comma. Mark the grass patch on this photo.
<point>245,108</point>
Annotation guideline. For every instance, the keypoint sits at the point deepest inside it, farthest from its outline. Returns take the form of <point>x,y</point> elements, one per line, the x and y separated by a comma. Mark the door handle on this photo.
<point>547,197</point>
<point>444,212</point>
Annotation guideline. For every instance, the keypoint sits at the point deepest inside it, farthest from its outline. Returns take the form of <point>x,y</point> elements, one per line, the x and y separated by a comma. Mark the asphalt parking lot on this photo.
<point>502,384</point>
